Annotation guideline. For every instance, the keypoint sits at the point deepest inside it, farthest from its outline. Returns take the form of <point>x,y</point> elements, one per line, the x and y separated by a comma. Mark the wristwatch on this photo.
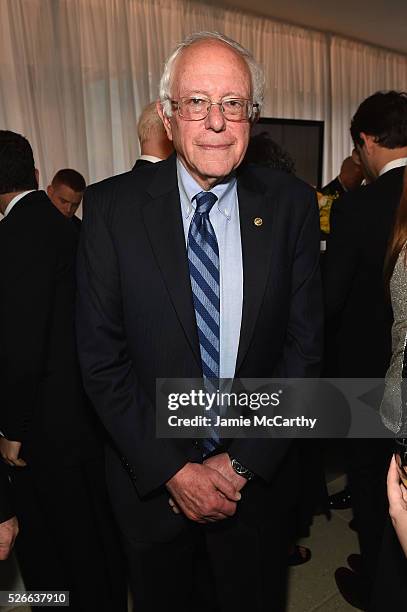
<point>241,470</point>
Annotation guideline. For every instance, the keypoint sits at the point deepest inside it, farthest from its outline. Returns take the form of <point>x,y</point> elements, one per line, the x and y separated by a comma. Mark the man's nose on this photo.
<point>215,119</point>
<point>68,210</point>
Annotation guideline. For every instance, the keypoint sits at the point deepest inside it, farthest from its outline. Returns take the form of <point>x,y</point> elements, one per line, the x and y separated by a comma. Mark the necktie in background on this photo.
<point>203,259</point>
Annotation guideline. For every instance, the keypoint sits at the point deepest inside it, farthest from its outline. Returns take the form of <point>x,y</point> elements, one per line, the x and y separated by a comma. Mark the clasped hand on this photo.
<point>206,492</point>
<point>10,451</point>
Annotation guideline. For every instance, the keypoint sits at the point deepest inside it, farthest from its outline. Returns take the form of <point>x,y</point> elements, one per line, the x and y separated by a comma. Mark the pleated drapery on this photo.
<point>75,75</point>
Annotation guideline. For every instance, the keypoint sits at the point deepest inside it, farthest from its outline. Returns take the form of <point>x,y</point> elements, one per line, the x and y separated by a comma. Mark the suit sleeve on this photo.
<point>341,258</point>
<point>24,316</point>
<point>108,373</point>
<point>303,348</point>
<point>6,510</point>
<point>334,187</point>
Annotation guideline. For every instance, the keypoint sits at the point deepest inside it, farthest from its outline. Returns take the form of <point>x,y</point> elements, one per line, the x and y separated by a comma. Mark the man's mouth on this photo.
<point>214,147</point>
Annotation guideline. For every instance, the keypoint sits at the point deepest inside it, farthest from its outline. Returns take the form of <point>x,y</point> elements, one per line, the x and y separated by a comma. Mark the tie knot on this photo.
<point>204,201</point>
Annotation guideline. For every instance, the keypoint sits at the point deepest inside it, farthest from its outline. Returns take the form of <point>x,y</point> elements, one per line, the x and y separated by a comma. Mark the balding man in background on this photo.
<point>349,178</point>
<point>154,143</point>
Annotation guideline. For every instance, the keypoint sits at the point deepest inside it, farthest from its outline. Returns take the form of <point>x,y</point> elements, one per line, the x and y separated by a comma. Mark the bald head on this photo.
<point>351,174</point>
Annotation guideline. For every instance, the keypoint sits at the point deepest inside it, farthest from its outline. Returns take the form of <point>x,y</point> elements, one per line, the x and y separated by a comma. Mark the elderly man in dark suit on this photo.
<point>50,437</point>
<point>189,267</point>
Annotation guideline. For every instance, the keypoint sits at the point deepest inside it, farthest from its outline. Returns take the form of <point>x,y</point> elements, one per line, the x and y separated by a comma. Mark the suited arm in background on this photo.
<point>341,258</point>
<point>333,188</point>
<point>24,314</point>
<point>303,347</point>
<point>108,372</point>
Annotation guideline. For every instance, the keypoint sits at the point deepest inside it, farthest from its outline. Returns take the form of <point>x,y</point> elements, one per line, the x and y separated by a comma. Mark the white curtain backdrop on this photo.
<point>75,75</point>
<point>357,71</point>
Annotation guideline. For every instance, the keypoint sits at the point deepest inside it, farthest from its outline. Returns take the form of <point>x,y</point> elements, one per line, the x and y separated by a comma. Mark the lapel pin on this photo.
<point>258,221</point>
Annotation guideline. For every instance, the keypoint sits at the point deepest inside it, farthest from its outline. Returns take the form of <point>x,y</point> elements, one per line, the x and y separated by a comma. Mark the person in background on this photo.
<point>358,313</point>
<point>66,192</point>
<point>154,142</point>
<point>263,150</point>
<point>8,520</point>
<point>391,588</point>
<point>51,439</point>
<point>350,178</point>
<point>395,269</point>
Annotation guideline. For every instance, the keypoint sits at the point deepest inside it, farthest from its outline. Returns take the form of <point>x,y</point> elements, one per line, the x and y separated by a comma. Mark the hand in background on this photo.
<point>397,494</point>
<point>9,451</point>
<point>8,533</point>
<point>202,493</point>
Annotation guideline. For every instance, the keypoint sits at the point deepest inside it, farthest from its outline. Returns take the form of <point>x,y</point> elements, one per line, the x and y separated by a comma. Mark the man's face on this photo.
<point>209,148</point>
<point>64,198</point>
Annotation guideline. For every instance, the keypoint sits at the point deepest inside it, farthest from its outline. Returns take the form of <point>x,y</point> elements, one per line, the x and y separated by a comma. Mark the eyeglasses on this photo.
<point>233,109</point>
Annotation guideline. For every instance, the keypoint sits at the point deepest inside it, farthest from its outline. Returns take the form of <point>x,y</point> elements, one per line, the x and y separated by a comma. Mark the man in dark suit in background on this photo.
<point>66,192</point>
<point>8,520</point>
<point>188,267</point>
<point>154,143</point>
<point>51,440</point>
<point>358,311</point>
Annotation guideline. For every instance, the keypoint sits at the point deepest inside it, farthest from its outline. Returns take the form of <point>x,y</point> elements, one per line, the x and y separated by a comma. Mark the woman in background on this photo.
<point>391,584</point>
<point>391,408</point>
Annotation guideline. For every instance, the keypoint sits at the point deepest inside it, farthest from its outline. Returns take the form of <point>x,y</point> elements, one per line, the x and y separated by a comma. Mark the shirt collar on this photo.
<point>189,188</point>
<point>151,158</point>
<point>396,163</point>
<point>14,201</point>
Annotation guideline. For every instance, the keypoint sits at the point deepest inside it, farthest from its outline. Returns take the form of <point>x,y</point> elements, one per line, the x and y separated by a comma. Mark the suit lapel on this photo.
<point>255,212</point>
<point>163,221</point>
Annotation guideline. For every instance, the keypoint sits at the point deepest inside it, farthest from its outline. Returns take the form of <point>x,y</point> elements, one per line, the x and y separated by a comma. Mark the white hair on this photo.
<point>256,71</point>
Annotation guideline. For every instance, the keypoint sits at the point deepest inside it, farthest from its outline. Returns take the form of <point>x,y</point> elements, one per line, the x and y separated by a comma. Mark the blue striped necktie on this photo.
<point>203,258</point>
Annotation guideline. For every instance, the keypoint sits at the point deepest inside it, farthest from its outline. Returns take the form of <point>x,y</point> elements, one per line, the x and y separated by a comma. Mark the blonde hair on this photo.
<point>398,236</point>
<point>150,124</point>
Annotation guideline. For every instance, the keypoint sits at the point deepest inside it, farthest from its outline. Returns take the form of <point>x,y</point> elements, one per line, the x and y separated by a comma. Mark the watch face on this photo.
<point>239,468</point>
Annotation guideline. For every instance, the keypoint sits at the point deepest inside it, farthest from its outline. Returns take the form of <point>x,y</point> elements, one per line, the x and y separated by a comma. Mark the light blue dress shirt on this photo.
<point>224,217</point>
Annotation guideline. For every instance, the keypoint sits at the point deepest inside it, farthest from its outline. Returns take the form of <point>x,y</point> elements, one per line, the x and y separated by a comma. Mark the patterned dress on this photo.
<point>394,399</point>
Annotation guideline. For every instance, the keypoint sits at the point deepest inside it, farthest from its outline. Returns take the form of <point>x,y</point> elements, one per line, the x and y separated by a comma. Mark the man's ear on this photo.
<point>49,191</point>
<point>164,119</point>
